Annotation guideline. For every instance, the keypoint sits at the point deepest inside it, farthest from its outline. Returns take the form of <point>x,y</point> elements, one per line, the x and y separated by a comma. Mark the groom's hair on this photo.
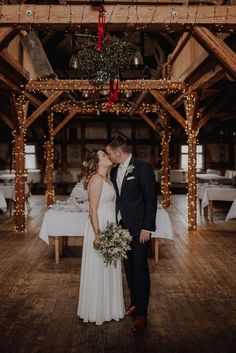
<point>118,141</point>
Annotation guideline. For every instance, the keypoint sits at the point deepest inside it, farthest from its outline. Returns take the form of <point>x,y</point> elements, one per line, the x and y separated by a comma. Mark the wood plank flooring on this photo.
<point>193,292</point>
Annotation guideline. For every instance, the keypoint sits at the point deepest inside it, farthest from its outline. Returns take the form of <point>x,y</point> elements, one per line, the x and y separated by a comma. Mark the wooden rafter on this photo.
<point>119,15</point>
<point>215,108</point>
<point>13,66</point>
<point>64,122</point>
<point>12,86</point>
<point>171,110</point>
<point>179,47</point>
<point>6,120</point>
<point>8,37</point>
<point>58,85</point>
<point>217,47</point>
<point>42,108</point>
<point>150,122</point>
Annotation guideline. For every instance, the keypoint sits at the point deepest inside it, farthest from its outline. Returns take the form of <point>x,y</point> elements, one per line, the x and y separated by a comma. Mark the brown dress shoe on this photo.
<point>130,311</point>
<point>140,322</point>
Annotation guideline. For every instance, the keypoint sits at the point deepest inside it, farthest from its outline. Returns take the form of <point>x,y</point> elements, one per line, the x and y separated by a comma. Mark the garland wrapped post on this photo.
<point>49,154</point>
<point>19,163</point>
<point>191,102</point>
<point>165,168</point>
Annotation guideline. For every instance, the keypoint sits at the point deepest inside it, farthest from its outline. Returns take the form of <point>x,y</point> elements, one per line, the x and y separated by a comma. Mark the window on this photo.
<point>30,157</point>
<point>184,157</point>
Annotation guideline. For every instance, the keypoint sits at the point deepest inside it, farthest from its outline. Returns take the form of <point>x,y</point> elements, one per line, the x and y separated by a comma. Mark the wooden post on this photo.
<point>165,168</point>
<point>191,101</point>
<point>49,154</point>
<point>19,163</point>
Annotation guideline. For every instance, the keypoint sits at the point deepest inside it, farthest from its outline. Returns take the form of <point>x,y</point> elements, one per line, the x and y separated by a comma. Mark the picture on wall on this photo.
<point>73,154</point>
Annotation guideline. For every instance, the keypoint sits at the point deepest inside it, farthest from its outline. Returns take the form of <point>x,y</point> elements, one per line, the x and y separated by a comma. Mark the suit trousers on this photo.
<point>137,274</point>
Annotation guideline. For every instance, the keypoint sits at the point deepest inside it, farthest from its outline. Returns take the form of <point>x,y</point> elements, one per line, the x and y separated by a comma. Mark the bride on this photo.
<point>101,292</point>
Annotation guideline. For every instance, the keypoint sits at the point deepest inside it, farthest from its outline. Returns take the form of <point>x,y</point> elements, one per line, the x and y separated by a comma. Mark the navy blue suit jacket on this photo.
<point>137,201</point>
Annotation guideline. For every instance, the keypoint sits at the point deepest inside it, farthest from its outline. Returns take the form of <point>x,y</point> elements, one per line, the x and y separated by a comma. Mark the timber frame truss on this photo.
<point>194,20</point>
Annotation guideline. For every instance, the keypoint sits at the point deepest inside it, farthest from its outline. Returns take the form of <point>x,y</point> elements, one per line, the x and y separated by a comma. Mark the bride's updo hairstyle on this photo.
<point>91,167</point>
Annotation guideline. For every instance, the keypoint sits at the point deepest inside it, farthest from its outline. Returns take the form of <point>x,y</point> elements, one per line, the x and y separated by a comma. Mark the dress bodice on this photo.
<point>107,197</point>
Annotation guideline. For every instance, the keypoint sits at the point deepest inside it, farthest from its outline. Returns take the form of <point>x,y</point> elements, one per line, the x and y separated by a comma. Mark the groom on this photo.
<point>136,206</point>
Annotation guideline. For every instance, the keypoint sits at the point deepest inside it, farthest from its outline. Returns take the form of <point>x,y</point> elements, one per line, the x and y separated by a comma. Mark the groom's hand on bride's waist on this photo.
<point>144,236</point>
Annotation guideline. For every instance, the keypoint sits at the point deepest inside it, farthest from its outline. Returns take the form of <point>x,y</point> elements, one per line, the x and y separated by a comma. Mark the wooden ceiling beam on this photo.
<point>179,47</point>
<point>7,60</point>
<point>8,37</point>
<point>145,85</point>
<point>6,120</point>
<point>42,108</point>
<point>151,17</point>
<point>170,109</point>
<point>218,48</point>
<point>9,84</point>
<point>64,122</point>
<point>150,122</point>
<point>215,108</point>
<point>12,86</point>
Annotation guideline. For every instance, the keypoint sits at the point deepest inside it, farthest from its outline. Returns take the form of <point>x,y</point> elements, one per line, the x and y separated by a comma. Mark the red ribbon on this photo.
<point>101,26</point>
<point>114,92</point>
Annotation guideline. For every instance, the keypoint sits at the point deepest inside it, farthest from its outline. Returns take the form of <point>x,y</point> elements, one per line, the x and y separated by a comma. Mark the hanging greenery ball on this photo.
<point>99,66</point>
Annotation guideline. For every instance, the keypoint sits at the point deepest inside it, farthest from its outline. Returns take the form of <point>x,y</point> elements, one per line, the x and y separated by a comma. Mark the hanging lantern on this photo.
<point>85,94</point>
<point>137,59</point>
<point>74,63</point>
<point>127,93</point>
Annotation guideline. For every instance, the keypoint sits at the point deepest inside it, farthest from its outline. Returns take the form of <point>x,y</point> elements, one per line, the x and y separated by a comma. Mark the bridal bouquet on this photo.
<point>114,243</point>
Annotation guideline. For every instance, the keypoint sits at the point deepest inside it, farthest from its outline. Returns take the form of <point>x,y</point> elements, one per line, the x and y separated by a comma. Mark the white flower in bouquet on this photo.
<point>114,243</point>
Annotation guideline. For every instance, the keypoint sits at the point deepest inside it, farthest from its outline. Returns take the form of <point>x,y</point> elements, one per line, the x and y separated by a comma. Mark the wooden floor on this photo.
<point>193,293</point>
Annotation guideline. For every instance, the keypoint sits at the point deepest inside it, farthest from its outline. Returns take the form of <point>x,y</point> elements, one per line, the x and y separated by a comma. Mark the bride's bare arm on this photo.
<point>94,192</point>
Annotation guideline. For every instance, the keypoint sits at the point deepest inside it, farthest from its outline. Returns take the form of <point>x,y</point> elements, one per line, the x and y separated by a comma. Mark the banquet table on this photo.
<point>208,178</point>
<point>8,191</point>
<point>3,204</point>
<point>61,223</point>
<point>7,177</point>
<point>208,194</point>
<point>232,211</point>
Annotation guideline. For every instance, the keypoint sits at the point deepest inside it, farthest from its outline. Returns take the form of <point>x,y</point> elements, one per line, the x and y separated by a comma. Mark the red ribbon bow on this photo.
<point>101,26</point>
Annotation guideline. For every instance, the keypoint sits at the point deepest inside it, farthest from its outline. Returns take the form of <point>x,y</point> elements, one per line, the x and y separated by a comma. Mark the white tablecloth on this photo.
<point>3,204</point>
<point>232,212</point>
<point>215,193</point>
<point>7,177</point>
<point>65,223</point>
<point>212,178</point>
<point>9,191</point>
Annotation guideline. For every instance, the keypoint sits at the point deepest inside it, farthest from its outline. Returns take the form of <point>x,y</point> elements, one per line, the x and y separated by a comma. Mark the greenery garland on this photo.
<point>100,66</point>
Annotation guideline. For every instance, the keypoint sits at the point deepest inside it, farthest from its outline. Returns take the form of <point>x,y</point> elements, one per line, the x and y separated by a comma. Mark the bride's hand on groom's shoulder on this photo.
<point>144,236</point>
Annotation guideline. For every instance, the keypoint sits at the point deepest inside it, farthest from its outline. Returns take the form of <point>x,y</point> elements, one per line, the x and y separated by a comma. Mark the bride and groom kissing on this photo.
<point>128,197</point>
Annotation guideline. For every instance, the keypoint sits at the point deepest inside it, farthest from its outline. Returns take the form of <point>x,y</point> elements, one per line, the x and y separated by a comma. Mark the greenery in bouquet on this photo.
<point>114,244</point>
<point>100,66</point>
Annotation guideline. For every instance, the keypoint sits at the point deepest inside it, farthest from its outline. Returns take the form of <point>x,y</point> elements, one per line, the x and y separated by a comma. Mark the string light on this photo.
<point>49,157</point>
<point>192,133</point>
<point>91,108</point>
<point>165,168</point>
<point>19,163</point>
<point>84,85</point>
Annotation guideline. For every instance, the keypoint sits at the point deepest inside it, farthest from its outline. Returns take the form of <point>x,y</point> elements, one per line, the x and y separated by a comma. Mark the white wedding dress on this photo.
<point>101,291</point>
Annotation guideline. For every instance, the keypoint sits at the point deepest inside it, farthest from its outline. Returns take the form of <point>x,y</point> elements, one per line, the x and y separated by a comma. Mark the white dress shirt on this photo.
<point>120,177</point>
<point>121,172</point>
